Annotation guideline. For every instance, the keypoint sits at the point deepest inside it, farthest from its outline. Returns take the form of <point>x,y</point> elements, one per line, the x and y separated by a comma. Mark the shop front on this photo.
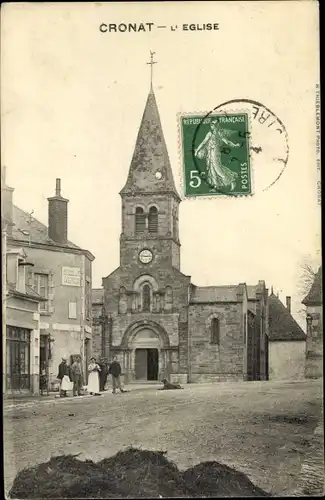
<point>18,359</point>
<point>21,357</point>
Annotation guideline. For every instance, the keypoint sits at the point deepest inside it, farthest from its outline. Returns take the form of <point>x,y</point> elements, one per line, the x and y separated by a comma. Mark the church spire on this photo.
<point>152,62</point>
<point>150,170</point>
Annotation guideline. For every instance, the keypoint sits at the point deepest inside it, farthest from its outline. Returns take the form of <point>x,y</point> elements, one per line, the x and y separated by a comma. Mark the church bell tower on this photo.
<point>150,202</point>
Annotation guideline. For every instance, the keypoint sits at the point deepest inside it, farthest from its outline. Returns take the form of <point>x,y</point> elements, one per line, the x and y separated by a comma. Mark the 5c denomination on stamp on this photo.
<point>215,152</point>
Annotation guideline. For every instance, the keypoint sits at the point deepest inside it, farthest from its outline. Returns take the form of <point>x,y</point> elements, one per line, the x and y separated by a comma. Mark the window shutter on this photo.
<point>35,282</point>
<point>72,310</point>
<point>51,288</point>
<point>153,220</point>
<point>140,220</point>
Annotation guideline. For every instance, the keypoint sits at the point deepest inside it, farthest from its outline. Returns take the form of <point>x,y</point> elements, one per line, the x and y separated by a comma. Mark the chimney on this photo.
<point>58,216</point>
<point>6,202</point>
<point>288,302</point>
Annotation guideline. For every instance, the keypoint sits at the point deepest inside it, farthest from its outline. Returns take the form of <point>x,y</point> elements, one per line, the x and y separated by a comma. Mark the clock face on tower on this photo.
<point>145,256</point>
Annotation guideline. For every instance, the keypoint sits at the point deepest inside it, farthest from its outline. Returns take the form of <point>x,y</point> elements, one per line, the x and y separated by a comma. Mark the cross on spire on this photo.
<point>152,62</point>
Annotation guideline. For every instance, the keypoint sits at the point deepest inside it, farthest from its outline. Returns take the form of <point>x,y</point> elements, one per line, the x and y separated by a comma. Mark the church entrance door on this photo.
<point>152,357</point>
<point>146,364</point>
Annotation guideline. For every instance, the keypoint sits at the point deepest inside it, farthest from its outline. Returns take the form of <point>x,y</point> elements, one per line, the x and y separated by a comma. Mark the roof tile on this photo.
<point>38,231</point>
<point>150,155</point>
<point>282,326</point>
<point>227,293</point>
<point>314,295</point>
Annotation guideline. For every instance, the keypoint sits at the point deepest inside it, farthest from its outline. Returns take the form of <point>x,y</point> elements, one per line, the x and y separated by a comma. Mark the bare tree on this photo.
<point>307,276</point>
<point>306,273</point>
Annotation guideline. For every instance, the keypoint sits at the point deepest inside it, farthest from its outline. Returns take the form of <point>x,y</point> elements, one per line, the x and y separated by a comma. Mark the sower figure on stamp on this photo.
<point>115,370</point>
<point>218,176</point>
<point>76,375</point>
<point>64,377</point>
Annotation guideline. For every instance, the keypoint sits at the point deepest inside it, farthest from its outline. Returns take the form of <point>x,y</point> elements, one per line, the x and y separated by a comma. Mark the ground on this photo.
<point>264,429</point>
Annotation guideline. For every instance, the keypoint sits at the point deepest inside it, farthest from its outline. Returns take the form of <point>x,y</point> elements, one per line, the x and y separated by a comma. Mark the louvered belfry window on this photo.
<point>140,220</point>
<point>153,220</point>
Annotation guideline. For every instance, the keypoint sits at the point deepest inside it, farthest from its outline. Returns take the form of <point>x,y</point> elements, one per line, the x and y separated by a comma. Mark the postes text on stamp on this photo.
<point>215,152</point>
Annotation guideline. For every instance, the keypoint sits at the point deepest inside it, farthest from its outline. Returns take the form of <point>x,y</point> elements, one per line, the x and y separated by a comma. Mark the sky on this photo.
<point>72,102</point>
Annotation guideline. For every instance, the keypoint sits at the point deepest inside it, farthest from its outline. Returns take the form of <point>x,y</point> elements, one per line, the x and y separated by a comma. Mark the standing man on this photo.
<point>103,374</point>
<point>115,370</point>
<point>64,378</point>
<point>76,375</point>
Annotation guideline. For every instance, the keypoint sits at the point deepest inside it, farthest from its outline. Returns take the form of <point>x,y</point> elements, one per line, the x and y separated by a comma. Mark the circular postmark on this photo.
<point>238,148</point>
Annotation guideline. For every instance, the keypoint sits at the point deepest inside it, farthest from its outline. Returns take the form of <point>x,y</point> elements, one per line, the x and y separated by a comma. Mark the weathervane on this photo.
<point>152,62</point>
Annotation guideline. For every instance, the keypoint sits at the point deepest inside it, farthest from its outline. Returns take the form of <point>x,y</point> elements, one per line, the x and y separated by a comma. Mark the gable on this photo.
<point>314,296</point>
<point>282,326</point>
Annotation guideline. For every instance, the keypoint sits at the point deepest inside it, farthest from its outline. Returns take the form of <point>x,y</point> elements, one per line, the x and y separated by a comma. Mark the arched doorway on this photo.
<point>147,355</point>
<point>146,345</point>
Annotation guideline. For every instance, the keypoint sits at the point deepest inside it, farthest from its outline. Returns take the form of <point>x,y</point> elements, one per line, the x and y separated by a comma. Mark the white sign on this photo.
<point>72,310</point>
<point>71,276</point>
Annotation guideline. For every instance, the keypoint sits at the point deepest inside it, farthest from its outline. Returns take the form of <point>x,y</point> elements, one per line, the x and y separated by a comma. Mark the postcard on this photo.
<point>161,249</point>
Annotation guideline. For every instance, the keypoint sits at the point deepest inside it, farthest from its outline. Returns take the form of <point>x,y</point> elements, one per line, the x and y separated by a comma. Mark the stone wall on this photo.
<point>172,288</point>
<point>314,343</point>
<point>201,378</point>
<point>169,322</point>
<point>223,361</point>
<point>97,330</point>
<point>287,360</point>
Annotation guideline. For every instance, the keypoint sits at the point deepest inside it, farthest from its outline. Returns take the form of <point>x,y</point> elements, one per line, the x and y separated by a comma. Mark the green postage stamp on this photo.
<point>215,152</point>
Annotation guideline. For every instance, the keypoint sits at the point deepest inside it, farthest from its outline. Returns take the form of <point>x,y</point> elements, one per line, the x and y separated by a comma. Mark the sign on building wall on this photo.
<point>71,276</point>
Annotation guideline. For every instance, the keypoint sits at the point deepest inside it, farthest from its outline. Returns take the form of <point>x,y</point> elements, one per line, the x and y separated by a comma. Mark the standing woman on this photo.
<point>64,377</point>
<point>93,379</point>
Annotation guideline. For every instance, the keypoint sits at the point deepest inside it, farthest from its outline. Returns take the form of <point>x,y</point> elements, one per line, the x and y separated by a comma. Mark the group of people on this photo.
<point>98,373</point>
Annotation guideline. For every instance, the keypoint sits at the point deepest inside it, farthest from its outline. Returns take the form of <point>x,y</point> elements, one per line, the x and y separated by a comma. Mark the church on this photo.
<point>149,314</point>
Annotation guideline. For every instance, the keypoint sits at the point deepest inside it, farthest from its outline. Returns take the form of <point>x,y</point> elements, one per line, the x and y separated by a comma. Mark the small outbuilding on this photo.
<point>314,318</point>
<point>287,342</point>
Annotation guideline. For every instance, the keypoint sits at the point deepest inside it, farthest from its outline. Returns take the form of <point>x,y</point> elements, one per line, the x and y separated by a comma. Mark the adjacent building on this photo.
<point>314,317</point>
<point>258,335</point>
<point>21,325</point>
<point>149,313</point>
<point>286,340</point>
<point>59,277</point>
